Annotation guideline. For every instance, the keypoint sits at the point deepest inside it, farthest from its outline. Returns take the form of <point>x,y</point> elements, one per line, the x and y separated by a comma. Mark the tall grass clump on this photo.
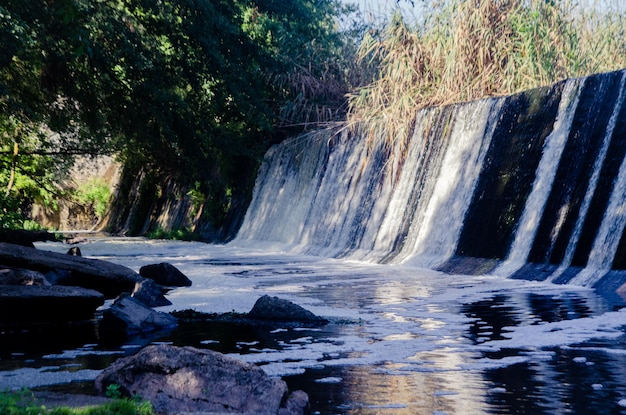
<point>469,49</point>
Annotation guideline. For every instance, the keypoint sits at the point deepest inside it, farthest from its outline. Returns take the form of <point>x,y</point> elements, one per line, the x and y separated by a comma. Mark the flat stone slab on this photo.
<point>31,304</point>
<point>108,278</point>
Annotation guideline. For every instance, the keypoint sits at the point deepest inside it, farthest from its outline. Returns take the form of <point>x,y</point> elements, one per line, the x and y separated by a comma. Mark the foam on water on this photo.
<point>401,340</point>
<point>397,318</point>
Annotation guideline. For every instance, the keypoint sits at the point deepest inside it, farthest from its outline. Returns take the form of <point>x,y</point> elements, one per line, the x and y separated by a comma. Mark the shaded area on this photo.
<point>508,173</point>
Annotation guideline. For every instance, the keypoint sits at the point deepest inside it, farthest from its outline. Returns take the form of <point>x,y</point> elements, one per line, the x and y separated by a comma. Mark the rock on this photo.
<point>59,277</point>
<point>74,251</point>
<point>131,316</point>
<point>274,308</point>
<point>34,304</point>
<point>296,403</point>
<point>165,274</point>
<point>188,380</point>
<point>108,278</point>
<point>22,277</point>
<point>150,293</point>
<point>25,238</point>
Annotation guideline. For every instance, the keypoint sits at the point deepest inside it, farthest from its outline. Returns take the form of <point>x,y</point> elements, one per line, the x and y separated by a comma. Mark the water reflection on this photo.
<point>374,390</point>
<point>578,381</point>
<point>490,318</point>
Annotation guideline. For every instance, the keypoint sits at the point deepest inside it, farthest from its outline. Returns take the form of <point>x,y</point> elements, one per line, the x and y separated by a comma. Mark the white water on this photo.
<point>544,179</point>
<point>438,230</point>
<point>331,195</point>
<point>607,240</point>
<point>593,182</point>
<point>354,205</point>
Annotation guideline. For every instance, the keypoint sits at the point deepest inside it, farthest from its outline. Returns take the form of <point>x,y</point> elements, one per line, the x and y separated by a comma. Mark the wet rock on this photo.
<point>165,274</point>
<point>274,308</point>
<point>35,304</point>
<point>150,293</point>
<point>59,277</point>
<point>19,276</point>
<point>188,380</point>
<point>108,278</point>
<point>74,251</point>
<point>25,238</point>
<point>130,316</point>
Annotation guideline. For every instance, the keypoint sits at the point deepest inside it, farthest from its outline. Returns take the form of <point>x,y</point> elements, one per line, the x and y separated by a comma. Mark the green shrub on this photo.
<point>94,193</point>
<point>180,234</point>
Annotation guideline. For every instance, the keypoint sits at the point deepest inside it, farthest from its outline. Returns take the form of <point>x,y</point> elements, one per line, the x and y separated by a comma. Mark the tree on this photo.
<point>191,89</point>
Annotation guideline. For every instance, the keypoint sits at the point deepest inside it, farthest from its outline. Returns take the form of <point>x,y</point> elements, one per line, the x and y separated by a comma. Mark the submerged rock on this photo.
<point>274,308</point>
<point>188,380</point>
<point>165,274</point>
<point>128,315</point>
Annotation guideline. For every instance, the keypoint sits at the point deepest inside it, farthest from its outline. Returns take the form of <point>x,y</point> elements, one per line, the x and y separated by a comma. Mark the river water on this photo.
<point>401,340</point>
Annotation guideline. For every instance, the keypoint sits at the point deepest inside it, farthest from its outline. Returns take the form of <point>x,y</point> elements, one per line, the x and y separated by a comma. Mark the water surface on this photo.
<point>400,340</point>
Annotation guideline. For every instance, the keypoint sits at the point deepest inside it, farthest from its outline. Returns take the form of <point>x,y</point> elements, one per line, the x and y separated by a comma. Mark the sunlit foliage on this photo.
<point>468,49</point>
<point>191,89</point>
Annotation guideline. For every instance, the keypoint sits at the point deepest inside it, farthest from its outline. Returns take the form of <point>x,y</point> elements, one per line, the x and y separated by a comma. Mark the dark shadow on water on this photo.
<point>577,380</point>
<point>583,379</point>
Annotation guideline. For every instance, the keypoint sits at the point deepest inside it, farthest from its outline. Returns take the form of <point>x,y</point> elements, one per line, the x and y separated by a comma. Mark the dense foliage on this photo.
<point>195,89</point>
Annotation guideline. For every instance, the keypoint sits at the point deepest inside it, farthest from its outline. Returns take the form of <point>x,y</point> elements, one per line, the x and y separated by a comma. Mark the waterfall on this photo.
<point>528,185</point>
<point>437,231</point>
<point>605,244</point>
<point>612,226</point>
<point>546,171</point>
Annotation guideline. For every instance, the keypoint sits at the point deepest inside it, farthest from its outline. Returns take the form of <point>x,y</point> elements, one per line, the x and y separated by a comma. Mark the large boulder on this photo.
<point>130,316</point>
<point>34,304</point>
<point>106,277</point>
<point>165,274</point>
<point>274,308</point>
<point>185,379</point>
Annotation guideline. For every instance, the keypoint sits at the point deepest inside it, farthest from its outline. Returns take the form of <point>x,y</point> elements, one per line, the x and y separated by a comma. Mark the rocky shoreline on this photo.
<point>42,288</point>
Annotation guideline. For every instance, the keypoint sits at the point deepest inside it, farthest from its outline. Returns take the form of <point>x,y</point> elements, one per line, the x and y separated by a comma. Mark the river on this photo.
<point>401,340</point>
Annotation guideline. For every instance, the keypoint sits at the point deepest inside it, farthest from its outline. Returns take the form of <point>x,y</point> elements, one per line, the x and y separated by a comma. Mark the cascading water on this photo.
<point>605,244</point>
<point>544,180</point>
<point>437,230</point>
<point>528,185</point>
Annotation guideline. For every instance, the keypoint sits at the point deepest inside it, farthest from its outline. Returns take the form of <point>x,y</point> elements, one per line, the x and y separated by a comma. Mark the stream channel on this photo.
<point>401,340</point>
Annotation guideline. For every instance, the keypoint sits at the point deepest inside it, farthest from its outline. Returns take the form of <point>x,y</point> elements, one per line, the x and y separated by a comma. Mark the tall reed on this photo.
<point>469,49</point>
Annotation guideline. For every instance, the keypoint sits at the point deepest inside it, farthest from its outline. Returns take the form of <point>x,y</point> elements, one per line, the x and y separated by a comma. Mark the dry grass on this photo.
<point>468,49</point>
